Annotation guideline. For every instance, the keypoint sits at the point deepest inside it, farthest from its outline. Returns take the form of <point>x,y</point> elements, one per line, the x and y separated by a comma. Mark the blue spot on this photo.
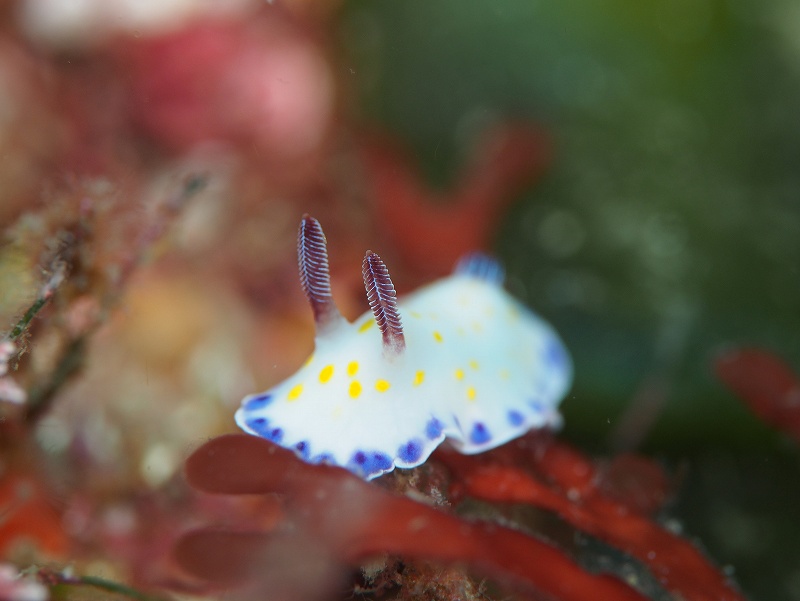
<point>479,434</point>
<point>411,451</point>
<point>515,418</point>
<point>555,355</point>
<point>382,461</point>
<point>326,458</point>
<point>302,448</point>
<point>433,429</point>
<point>536,405</point>
<point>259,425</point>
<point>258,402</point>
<point>370,462</point>
<point>482,267</point>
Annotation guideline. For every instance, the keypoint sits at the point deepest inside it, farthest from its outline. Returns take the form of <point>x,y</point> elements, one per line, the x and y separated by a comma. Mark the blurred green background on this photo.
<point>667,229</point>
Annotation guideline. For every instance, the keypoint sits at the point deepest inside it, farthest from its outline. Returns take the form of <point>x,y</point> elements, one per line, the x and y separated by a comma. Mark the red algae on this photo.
<point>262,81</point>
<point>765,384</point>
<point>27,514</point>
<point>331,510</point>
<point>431,230</point>
<point>676,563</point>
<point>550,475</point>
<point>634,481</point>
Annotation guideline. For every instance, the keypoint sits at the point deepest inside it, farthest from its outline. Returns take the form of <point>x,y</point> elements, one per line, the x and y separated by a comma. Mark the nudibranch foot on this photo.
<point>459,359</point>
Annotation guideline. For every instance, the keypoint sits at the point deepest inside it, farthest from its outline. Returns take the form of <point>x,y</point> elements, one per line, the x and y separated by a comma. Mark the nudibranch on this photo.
<point>459,359</point>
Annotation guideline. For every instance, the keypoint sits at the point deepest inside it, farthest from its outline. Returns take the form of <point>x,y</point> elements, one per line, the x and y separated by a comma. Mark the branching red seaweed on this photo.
<point>766,385</point>
<point>556,478</point>
<point>433,230</point>
<point>351,521</point>
<point>348,521</point>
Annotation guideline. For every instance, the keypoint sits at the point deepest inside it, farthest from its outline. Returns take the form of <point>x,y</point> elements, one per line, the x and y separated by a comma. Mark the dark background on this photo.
<point>666,230</point>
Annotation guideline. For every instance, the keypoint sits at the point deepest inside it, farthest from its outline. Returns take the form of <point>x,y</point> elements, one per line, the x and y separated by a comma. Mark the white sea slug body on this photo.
<point>459,359</point>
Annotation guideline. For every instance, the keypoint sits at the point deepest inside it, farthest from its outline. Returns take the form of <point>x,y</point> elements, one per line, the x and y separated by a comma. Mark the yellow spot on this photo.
<point>352,368</point>
<point>309,360</point>
<point>504,374</point>
<point>415,314</point>
<point>437,336</point>
<point>355,389</point>
<point>473,364</point>
<point>419,377</point>
<point>460,331</point>
<point>459,374</point>
<point>471,393</point>
<point>381,385</point>
<point>366,325</point>
<point>477,326</point>
<point>326,373</point>
<point>295,392</point>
